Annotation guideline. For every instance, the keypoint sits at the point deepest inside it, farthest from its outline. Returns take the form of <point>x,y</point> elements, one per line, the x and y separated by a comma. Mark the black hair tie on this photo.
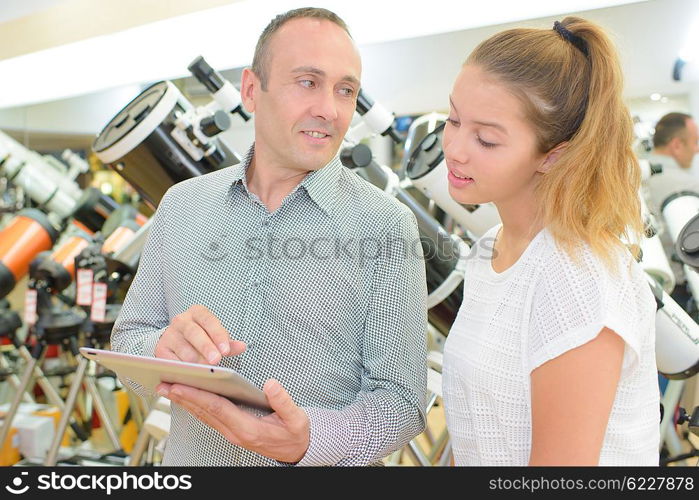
<point>579,43</point>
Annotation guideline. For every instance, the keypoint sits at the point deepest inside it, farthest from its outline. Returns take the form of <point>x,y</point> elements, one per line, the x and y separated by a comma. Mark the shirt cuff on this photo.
<point>151,341</point>
<point>330,439</point>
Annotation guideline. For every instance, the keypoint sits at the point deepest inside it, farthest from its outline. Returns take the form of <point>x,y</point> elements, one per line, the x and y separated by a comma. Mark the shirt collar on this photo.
<point>321,185</point>
<point>667,162</point>
<point>238,171</point>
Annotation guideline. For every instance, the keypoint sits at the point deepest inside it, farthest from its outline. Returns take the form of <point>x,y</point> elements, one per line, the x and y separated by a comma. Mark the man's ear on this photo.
<point>249,86</point>
<point>675,145</point>
<point>552,156</point>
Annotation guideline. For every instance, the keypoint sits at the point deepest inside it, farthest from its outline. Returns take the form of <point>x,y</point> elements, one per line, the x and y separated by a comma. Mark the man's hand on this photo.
<point>197,336</point>
<point>283,435</point>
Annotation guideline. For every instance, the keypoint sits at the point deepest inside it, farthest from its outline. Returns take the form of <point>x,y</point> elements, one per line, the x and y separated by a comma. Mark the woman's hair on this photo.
<point>570,83</point>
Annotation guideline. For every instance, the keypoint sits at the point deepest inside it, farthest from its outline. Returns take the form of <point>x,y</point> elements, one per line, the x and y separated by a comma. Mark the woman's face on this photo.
<point>489,146</point>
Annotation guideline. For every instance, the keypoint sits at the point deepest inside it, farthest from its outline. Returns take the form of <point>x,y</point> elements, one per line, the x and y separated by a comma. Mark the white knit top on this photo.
<point>512,322</point>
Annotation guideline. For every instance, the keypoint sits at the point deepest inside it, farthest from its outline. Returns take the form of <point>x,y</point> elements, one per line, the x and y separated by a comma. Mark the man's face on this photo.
<point>688,145</point>
<point>313,70</point>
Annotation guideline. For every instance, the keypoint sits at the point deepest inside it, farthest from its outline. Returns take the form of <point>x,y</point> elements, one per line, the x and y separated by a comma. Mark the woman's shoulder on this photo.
<point>584,265</point>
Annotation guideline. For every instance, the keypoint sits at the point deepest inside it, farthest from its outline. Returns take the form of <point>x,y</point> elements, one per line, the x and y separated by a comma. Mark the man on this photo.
<point>675,143</point>
<point>289,269</point>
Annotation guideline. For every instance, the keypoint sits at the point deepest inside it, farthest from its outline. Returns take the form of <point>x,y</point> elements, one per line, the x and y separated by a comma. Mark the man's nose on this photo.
<point>325,105</point>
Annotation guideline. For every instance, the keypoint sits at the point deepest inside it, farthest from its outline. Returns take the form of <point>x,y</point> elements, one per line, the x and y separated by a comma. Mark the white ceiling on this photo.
<point>14,9</point>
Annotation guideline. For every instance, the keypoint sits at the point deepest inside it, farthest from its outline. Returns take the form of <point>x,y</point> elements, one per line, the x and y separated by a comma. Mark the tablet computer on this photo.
<point>149,372</point>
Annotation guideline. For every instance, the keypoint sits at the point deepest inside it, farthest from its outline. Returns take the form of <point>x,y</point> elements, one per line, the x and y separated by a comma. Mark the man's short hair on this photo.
<point>670,126</point>
<point>260,60</point>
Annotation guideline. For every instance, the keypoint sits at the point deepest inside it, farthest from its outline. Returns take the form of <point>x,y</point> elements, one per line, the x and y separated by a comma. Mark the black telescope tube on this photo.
<point>213,81</point>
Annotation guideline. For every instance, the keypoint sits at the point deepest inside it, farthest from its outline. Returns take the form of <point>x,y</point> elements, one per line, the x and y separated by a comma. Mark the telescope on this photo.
<point>29,233</point>
<point>43,178</point>
<point>676,337</point>
<point>376,120</point>
<point>160,138</point>
<point>226,97</point>
<point>654,261</point>
<point>102,281</point>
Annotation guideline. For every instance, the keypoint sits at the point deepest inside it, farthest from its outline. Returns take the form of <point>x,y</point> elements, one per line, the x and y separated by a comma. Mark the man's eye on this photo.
<point>347,92</point>
<point>307,83</point>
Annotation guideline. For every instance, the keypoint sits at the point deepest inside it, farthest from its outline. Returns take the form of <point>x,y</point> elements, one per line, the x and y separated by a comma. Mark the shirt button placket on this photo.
<point>254,284</point>
<point>256,280</point>
<point>257,270</point>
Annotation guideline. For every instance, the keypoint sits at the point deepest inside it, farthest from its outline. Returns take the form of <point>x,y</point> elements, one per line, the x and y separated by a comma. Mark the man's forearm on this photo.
<point>366,431</point>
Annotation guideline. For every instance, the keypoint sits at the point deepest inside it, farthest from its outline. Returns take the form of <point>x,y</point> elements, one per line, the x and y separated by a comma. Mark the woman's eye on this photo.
<point>486,144</point>
<point>453,122</point>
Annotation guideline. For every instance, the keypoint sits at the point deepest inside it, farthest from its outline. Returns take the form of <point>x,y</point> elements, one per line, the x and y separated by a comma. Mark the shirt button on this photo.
<point>255,283</point>
<point>265,222</point>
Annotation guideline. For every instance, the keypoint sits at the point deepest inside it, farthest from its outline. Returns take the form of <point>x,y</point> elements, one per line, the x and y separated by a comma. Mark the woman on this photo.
<point>551,360</point>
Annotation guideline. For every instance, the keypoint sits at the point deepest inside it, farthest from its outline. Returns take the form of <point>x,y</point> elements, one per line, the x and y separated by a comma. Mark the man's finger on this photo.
<point>280,400</point>
<point>237,425</point>
<point>200,340</point>
<point>165,353</point>
<point>206,399</point>
<point>237,347</point>
<point>201,413</point>
<point>214,329</point>
<point>163,389</point>
<point>185,351</point>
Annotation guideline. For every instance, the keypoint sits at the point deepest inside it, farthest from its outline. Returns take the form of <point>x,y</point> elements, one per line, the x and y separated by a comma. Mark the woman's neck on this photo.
<point>520,224</point>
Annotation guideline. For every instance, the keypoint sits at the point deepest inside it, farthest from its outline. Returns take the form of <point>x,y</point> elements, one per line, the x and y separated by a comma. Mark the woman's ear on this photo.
<point>552,156</point>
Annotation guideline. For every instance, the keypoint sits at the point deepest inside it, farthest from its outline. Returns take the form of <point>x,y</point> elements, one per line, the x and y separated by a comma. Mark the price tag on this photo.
<point>99,302</point>
<point>84,292</point>
<point>30,307</point>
